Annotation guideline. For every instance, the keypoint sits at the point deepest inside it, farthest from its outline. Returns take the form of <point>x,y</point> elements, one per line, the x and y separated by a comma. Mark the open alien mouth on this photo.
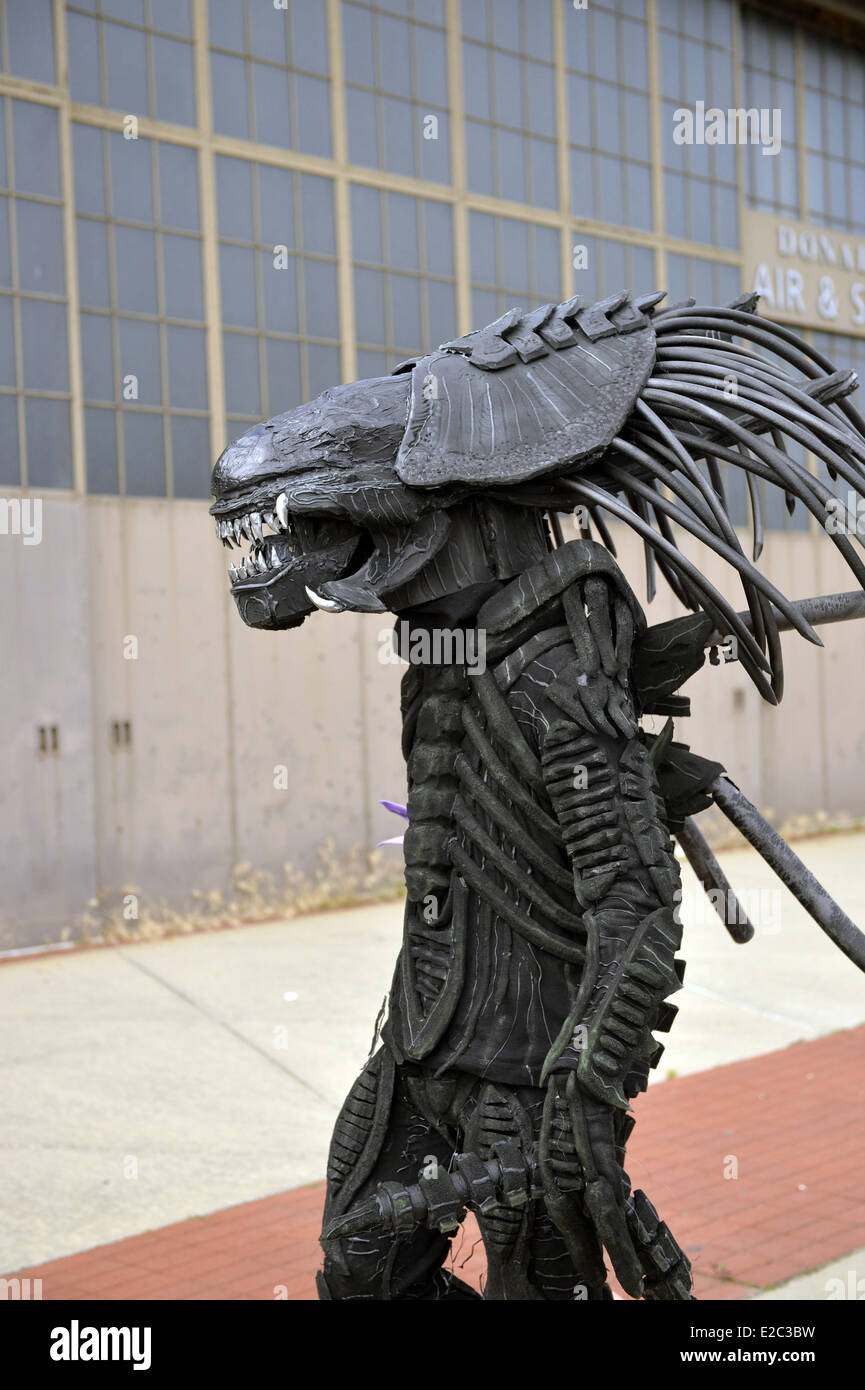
<point>268,554</point>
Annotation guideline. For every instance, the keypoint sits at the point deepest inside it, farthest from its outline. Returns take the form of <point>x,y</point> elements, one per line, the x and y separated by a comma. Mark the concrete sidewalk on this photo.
<point>149,1084</point>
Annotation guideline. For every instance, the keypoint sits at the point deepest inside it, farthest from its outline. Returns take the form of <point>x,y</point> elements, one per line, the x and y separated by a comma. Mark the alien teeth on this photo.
<point>255,525</point>
<point>282,510</point>
<point>233,573</point>
<point>238,529</point>
<point>274,558</point>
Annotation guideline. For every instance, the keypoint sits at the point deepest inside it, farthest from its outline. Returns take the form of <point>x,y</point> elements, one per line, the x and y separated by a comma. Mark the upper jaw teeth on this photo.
<point>263,558</point>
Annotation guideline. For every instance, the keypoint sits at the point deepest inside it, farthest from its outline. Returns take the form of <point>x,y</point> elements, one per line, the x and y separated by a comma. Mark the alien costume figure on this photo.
<point>542,932</point>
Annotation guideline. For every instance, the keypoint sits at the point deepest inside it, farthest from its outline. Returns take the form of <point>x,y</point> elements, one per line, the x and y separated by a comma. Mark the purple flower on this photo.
<point>398,810</point>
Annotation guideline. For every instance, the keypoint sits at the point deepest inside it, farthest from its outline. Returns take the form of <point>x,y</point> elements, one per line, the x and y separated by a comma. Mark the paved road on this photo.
<point>146,1084</point>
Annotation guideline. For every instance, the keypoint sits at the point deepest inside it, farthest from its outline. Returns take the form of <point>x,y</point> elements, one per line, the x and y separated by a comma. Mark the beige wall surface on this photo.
<point>216,709</point>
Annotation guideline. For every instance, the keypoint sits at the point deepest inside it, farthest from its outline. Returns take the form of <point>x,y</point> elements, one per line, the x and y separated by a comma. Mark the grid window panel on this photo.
<point>769,82</point>
<point>278,284</point>
<point>845,353</point>
<point>269,73</point>
<point>136,58</point>
<point>34,359</point>
<point>396,94</point>
<point>608,114</point>
<point>27,39</point>
<point>834,129</point>
<point>700,179</point>
<point>513,263</point>
<point>509,100</point>
<point>142,313</point>
<point>404,286</point>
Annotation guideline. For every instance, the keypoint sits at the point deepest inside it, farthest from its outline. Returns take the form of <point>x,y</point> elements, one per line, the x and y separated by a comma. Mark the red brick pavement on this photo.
<point>791,1124</point>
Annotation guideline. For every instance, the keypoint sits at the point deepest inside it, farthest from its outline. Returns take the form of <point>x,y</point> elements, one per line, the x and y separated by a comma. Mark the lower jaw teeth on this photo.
<point>255,565</point>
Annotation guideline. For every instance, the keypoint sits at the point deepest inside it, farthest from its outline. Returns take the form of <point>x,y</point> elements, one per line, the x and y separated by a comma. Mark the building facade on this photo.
<point>210,210</point>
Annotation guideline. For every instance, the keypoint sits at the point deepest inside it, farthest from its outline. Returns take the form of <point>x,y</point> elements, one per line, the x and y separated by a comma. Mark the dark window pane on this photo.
<point>362,136</point>
<point>4,179</point>
<point>582,185</point>
<point>267,32</point>
<point>539,29</point>
<point>178,186</point>
<point>309,36</point>
<point>473,16</point>
<point>173,16</point>
<point>37,159</point>
<point>506,23</point>
<point>187,369</point>
<point>131,179</point>
<point>144,454</point>
<point>5,258</point>
<point>403,250</point>
<point>138,344</point>
<point>10,468</point>
<point>434,151</point>
<point>234,198</point>
<point>40,247</point>
<point>237,278</point>
<point>97,359</point>
<point>431,66</point>
<point>541,96</point>
<point>49,444</point>
<point>82,36</point>
<point>398,122</point>
<point>126,68</point>
<point>358,45</point>
<point>276,206</point>
<point>279,292</point>
<point>135,260</point>
<point>476,81</point>
<point>132,10</point>
<point>612,193</point>
<point>240,354</point>
<point>482,235</point>
<point>369,306</point>
<point>322,303</point>
<point>174,81</point>
<point>228,84</point>
<point>543,173</point>
<point>87,155</point>
<point>366,236</point>
<point>640,196</point>
<point>316,205</point>
<point>395,56</point>
<point>479,157</point>
<point>30,32</point>
<point>93,287</point>
<point>181,268</point>
<point>508,71</point>
<point>7,343</point>
<point>438,238</point>
<point>312,104</point>
<point>516,273</point>
<point>190,456</point>
<point>546,261</point>
<point>323,368</point>
<point>225,20</point>
<point>371,364</point>
<point>441,313</point>
<point>405,313</point>
<point>270,96</point>
<point>43,334</point>
<point>283,375</point>
<point>512,168</point>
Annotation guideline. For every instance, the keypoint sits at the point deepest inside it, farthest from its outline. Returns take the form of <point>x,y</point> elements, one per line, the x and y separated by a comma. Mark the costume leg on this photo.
<point>382,1136</point>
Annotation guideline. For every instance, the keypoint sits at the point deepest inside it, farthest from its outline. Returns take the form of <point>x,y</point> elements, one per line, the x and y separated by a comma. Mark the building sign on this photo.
<point>806,275</point>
